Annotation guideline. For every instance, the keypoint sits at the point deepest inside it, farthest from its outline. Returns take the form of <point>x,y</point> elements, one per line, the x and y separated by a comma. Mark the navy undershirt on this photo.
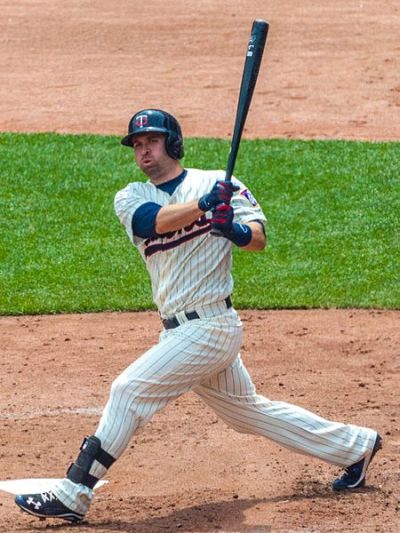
<point>144,218</point>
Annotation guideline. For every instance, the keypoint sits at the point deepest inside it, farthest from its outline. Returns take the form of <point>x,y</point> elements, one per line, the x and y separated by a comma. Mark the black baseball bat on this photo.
<point>254,53</point>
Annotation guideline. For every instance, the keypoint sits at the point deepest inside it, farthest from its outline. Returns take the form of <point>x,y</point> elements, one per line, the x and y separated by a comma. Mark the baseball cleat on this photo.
<point>46,505</point>
<point>354,475</point>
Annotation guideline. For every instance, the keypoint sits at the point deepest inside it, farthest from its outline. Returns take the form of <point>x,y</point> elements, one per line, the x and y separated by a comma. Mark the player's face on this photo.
<point>150,152</point>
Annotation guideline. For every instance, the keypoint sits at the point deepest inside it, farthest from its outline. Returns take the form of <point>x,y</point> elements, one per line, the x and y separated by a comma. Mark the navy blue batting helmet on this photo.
<point>160,121</point>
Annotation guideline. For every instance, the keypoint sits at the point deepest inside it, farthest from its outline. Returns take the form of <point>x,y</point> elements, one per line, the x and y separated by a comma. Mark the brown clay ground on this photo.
<point>330,71</point>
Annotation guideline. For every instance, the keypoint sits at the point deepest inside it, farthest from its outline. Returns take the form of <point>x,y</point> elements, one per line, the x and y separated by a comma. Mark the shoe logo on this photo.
<point>37,505</point>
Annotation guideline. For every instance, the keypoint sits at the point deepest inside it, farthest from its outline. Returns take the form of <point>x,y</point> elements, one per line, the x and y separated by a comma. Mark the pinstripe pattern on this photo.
<point>232,395</point>
<point>202,355</point>
<point>192,272</point>
<point>184,357</point>
<point>185,272</point>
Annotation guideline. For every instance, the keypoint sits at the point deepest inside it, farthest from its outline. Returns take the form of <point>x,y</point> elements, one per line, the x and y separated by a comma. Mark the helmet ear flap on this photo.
<point>174,146</point>
<point>174,140</point>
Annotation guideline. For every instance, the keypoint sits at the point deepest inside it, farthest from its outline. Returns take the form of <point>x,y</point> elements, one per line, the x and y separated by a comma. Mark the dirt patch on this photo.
<point>187,471</point>
<point>330,71</point>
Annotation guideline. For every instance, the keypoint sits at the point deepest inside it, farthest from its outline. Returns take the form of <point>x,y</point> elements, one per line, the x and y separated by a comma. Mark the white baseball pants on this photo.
<point>203,356</point>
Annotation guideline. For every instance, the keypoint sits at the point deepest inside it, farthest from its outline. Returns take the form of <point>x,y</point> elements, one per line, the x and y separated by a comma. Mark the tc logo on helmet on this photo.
<point>141,121</point>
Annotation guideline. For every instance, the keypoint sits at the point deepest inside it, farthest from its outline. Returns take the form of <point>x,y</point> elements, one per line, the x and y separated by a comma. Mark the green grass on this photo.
<point>333,210</point>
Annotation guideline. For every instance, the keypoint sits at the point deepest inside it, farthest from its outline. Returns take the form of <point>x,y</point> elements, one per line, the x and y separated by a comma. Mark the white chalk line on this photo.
<point>45,413</point>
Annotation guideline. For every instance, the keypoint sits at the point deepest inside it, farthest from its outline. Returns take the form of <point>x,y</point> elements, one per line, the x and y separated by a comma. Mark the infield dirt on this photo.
<point>330,71</point>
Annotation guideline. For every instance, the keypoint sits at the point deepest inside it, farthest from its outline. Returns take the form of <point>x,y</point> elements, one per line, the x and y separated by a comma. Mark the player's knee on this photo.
<point>137,390</point>
<point>128,393</point>
<point>120,387</point>
<point>139,398</point>
<point>234,424</point>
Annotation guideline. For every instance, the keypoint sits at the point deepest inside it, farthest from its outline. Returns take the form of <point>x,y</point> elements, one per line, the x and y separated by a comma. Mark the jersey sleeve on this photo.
<point>245,206</point>
<point>127,203</point>
<point>144,220</point>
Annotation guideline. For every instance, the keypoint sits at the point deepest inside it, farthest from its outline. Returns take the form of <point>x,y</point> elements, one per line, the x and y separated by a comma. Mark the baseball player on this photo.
<point>184,222</point>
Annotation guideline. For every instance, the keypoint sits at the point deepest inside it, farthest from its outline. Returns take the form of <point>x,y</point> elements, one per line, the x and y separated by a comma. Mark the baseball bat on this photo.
<point>254,53</point>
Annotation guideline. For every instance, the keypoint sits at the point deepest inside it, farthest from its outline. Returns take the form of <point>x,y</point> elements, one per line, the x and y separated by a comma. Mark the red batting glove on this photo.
<point>222,218</point>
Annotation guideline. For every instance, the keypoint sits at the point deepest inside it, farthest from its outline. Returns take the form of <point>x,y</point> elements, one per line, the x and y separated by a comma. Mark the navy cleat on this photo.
<point>46,505</point>
<point>354,475</point>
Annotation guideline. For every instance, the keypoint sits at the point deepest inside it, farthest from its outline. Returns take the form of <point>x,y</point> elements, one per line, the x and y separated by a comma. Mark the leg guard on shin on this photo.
<point>91,451</point>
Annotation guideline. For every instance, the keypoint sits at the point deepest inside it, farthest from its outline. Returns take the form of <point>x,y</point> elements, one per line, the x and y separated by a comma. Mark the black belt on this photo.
<point>170,323</point>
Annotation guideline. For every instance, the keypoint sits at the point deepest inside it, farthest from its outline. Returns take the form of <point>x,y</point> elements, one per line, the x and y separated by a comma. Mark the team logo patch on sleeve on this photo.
<point>247,194</point>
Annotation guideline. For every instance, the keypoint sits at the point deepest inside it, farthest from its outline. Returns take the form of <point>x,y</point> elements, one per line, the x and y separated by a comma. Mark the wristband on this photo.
<point>204,204</point>
<point>240,234</point>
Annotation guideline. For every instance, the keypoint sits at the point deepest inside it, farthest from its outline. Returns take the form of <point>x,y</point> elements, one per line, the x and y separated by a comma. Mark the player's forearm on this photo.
<point>258,239</point>
<point>176,216</point>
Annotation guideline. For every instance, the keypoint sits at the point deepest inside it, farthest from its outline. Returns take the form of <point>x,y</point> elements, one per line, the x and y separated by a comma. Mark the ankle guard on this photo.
<point>91,451</point>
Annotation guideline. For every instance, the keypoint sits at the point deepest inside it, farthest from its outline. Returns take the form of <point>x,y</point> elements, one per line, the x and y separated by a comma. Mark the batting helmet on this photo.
<point>161,121</point>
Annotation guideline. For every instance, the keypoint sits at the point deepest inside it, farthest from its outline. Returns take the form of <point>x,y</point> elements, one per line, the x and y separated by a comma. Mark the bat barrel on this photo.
<point>255,49</point>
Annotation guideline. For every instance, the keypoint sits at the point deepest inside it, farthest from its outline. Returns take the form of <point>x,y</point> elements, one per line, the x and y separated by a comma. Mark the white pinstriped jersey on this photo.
<point>188,268</point>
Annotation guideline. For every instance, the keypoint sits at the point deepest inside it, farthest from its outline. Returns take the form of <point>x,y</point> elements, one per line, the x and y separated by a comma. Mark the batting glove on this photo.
<point>221,193</point>
<point>222,225</point>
